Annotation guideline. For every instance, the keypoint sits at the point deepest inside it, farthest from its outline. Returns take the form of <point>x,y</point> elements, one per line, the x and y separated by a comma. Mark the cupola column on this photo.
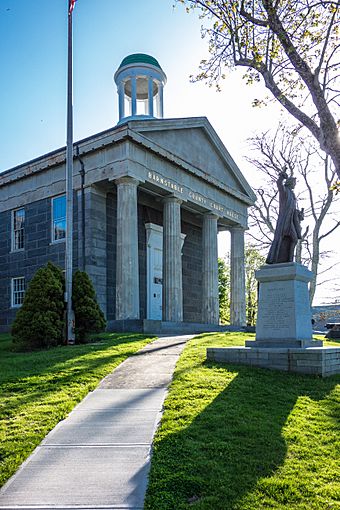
<point>127,272</point>
<point>172,260</point>
<point>133,96</point>
<point>160,99</point>
<point>121,100</point>
<point>150,96</point>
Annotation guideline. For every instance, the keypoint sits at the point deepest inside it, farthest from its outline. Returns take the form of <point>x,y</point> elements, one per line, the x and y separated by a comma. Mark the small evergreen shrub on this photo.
<point>39,322</point>
<point>88,316</point>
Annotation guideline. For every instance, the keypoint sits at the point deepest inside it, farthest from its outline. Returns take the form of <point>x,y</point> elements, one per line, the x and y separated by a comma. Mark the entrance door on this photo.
<point>154,254</point>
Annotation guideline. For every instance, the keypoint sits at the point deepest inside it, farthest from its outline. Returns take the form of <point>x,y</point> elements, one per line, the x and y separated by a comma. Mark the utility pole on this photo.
<point>70,337</point>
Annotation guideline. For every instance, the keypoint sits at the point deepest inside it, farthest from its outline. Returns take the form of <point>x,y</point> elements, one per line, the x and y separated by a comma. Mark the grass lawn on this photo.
<point>234,437</point>
<point>40,388</point>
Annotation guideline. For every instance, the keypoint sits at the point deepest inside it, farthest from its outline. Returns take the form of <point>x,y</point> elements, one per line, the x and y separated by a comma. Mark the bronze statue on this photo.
<point>288,227</point>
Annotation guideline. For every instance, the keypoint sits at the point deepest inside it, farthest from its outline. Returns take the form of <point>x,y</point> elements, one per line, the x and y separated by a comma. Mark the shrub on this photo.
<point>40,321</point>
<point>88,316</point>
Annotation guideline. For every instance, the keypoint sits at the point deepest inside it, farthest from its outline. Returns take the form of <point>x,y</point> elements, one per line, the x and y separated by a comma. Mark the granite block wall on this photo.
<point>38,250</point>
<point>111,240</point>
<point>192,271</point>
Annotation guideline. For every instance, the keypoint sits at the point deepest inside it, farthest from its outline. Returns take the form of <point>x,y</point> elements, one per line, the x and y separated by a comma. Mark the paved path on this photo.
<point>99,457</point>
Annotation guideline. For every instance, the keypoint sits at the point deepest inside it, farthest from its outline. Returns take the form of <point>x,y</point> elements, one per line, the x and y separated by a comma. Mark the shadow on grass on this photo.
<point>31,376</point>
<point>38,389</point>
<point>229,446</point>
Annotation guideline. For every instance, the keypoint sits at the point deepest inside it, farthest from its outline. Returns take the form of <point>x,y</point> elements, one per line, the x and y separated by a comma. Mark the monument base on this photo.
<point>284,316</point>
<point>277,343</point>
<point>283,328</point>
<point>321,361</point>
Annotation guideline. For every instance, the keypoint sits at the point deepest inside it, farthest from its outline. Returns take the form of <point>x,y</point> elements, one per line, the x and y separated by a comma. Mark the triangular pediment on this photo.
<point>194,141</point>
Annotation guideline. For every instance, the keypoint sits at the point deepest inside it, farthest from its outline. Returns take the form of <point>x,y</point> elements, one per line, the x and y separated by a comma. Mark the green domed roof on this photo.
<point>139,58</point>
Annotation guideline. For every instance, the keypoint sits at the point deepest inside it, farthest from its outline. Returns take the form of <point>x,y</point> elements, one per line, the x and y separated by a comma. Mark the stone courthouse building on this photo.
<point>150,196</point>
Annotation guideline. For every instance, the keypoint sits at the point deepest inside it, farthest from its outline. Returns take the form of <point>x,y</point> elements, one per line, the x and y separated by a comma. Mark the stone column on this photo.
<point>210,308</point>
<point>127,273</point>
<point>237,278</point>
<point>172,261</point>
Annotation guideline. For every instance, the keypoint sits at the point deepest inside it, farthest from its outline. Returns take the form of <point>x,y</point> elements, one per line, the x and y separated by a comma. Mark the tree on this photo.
<point>293,45</point>
<point>301,158</point>
<point>88,316</point>
<point>39,322</point>
<point>224,290</point>
<point>253,260</point>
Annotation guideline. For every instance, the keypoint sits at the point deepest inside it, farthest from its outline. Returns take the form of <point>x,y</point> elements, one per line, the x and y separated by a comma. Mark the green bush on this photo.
<point>88,316</point>
<point>40,321</point>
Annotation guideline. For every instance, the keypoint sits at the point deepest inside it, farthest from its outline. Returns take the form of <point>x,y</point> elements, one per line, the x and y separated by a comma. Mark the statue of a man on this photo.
<point>288,226</point>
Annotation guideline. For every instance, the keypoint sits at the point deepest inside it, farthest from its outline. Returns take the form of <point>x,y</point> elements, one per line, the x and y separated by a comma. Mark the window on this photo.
<point>18,229</point>
<point>59,218</point>
<point>18,291</point>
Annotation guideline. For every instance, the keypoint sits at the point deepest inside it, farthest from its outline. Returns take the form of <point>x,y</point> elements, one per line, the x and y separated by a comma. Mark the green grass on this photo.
<point>239,438</point>
<point>38,389</point>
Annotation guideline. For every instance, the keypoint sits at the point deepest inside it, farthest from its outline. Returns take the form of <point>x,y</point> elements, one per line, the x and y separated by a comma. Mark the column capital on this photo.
<point>237,228</point>
<point>126,180</point>
<point>210,216</point>
<point>172,199</point>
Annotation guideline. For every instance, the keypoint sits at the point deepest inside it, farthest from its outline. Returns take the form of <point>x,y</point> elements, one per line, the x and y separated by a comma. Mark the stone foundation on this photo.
<point>165,327</point>
<point>321,361</point>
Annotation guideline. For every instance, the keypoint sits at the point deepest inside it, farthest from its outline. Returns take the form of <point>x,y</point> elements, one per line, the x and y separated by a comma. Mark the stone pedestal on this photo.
<point>284,316</point>
<point>283,329</point>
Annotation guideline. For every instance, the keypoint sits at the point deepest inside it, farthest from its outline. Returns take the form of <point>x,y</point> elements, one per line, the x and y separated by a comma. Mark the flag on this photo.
<point>71,6</point>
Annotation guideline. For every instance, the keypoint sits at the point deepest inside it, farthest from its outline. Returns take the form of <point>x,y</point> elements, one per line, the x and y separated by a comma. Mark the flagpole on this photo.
<point>70,337</point>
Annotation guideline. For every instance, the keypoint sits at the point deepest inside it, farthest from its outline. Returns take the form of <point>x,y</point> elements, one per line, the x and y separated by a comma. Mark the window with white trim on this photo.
<point>59,218</point>
<point>18,229</point>
<point>18,291</point>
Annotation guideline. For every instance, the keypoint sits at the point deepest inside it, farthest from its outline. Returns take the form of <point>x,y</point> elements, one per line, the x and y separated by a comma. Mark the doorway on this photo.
<point>154,261</point>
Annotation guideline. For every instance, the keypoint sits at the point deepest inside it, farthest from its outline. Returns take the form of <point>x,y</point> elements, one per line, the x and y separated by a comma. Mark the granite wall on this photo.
<point>39,250</point>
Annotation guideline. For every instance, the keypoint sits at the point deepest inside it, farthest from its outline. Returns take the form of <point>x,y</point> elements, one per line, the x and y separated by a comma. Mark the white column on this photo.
<point>210,304</point>
<point>237,278</point>
<point>172,261</point>
<point>121,100</point>
<point>150,96</point>
<point>127,272</point>
<point>133,95</point>
<point>161,111</point>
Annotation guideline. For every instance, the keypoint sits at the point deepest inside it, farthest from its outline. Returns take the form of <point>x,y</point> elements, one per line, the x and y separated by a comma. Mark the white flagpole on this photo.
<point>70,337</point>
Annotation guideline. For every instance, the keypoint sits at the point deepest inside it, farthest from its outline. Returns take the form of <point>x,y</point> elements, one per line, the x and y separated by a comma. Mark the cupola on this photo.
<point>140,81</point>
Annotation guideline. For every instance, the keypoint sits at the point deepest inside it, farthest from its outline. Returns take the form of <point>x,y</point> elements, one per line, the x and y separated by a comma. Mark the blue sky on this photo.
<point>33,53</point>
<point>33,63</point>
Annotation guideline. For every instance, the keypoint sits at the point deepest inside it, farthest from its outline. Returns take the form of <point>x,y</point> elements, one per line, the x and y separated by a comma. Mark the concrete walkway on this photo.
<point>99,457</point>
